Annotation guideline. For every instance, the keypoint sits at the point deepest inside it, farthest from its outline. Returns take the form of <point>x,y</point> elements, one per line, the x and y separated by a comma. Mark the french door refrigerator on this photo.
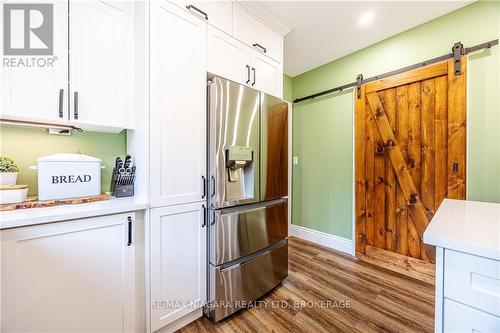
<point>247,196</point>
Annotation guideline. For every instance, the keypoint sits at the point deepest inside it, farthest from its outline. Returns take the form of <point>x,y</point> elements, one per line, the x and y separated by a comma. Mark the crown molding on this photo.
<point>259,10</point>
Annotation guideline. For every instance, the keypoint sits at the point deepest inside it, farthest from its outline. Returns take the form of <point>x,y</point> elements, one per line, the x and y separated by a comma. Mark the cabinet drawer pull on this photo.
<point>204,217</point>
<point>75,106</point>
<point>248,74</point>
<point>129,231</point>
<point>254,71</point>
<point>189,7</point>
<point>61,102</point>
<point>204,187</point>
<point>260,47</point>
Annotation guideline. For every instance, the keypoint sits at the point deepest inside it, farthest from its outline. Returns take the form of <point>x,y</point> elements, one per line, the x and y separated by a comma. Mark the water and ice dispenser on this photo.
<point>240,173</point>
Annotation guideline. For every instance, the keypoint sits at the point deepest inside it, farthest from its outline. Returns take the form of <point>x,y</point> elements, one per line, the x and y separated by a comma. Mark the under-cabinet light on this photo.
<point>51,128</point>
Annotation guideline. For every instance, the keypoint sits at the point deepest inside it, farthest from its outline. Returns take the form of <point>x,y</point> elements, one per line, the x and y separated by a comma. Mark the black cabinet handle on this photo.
<point>61,102</point>
<point>189,7</point>
<point>254,71</point>
<point>248,74</point>
<point>204,187</point>
<point>260,47</point>
<point>204,217</point>
<point>75,106</point>
<point>213,185</point>
<point>129,231</point>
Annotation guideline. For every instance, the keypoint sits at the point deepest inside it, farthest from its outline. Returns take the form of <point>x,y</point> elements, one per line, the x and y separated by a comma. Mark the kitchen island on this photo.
<point>467,239</point>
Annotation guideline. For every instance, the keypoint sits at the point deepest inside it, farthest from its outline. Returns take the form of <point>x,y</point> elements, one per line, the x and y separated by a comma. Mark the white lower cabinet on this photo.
<point>72,276</point>
<point>461,318</point>
<point>467,292</point>
<point>178,266</point>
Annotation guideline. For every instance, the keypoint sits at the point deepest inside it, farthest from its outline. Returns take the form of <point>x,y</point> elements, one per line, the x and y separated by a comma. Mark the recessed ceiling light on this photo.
<point>366,18</point>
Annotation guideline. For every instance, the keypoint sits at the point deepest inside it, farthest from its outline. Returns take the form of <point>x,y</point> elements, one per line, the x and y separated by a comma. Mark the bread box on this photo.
<point>63,176</point>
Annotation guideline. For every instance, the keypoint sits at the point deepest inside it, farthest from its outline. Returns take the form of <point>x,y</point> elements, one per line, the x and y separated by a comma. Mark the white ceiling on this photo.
<point>323,31</point>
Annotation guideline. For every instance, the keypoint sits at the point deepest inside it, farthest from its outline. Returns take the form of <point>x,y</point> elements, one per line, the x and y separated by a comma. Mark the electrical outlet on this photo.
<point>295,160</point>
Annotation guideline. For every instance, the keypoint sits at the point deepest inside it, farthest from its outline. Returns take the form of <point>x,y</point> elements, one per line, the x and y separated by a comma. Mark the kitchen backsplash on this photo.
<point>26,145</point>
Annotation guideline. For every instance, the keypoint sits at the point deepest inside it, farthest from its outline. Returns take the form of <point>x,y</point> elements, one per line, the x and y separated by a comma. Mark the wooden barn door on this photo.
<point>410,155</point>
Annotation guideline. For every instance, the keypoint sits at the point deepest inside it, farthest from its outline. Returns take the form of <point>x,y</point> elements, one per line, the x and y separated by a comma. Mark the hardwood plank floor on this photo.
<point>373,299</point>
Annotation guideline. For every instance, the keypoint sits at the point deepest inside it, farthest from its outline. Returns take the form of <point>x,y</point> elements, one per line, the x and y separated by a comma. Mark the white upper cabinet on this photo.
<point>38,93</point>
<point>253,32</point>
<point>71,276</point>
<point>217,13</point>
<point>178,262</point>
<point>267,74</point>
<point>92,90</point>
<point>98,55</point>
<point>177,105</point>
<point>227,57</point>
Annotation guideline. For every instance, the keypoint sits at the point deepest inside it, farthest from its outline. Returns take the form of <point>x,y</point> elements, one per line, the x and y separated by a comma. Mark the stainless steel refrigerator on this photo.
<point>248,188</point>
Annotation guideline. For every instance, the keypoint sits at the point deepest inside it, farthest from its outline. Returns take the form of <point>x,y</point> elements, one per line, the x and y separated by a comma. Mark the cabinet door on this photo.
<point>74,276</point>
<point>217,13</point>
<point>97,64</point>
<point>38,93</point>
<point>177,106</point>
<point>227,57</point>
<point>267,74</point>
<point>253,32</point>
<point>178,262</point>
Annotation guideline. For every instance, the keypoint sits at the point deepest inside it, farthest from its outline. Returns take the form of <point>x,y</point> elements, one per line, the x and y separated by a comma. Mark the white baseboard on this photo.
<point>335,242</point>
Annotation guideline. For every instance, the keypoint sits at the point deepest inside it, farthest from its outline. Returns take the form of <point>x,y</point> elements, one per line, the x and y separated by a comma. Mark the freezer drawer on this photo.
<point>231,288</point>
<point>235,233</point>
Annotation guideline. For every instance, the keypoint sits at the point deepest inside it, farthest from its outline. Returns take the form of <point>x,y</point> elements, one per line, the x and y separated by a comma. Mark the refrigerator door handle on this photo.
<point>212,178</point>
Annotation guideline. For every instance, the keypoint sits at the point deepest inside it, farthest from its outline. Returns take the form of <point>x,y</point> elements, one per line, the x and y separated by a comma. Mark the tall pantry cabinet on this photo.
<point>177,162</point>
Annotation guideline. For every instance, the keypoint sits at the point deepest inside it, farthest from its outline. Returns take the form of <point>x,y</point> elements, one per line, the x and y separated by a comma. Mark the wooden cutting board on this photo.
<point>32,202</point>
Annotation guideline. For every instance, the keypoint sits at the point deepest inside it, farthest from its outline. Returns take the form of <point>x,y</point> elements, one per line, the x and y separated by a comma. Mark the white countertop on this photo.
<point>466,226</point>
<point>32,216</point>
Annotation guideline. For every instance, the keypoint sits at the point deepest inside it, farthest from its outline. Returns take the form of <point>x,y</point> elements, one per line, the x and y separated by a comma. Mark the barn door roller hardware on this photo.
<point>458,52</point>
<point>359,82</point>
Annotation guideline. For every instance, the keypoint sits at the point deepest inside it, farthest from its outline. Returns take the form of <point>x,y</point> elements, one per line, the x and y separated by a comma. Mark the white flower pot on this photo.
<point>8,178</point>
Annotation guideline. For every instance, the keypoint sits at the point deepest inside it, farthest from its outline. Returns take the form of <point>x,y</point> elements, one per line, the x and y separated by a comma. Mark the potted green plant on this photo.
<point>8,171</point>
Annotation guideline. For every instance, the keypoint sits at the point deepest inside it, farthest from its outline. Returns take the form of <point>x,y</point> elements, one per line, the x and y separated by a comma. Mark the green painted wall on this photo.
<point>323,128</point>
<point>25,145</point>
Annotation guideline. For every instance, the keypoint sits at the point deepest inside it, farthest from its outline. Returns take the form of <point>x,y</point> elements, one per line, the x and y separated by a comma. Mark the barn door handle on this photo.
<point>455,167</point>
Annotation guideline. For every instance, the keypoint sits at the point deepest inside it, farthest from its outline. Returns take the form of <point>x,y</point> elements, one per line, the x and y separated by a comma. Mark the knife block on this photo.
<point>121,190</point>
